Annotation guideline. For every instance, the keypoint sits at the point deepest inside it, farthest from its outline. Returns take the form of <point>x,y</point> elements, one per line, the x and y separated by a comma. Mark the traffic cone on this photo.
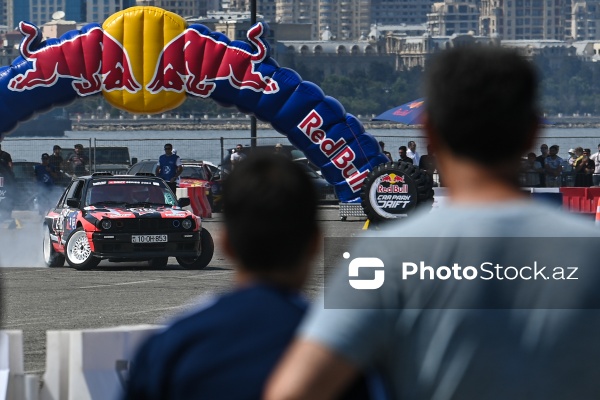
<point>598,213</point>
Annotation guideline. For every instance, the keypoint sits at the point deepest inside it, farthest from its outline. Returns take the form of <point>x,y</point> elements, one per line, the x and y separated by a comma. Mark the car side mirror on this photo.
<point>216,177</point>
<point>73,202</point>
<point>184,202</point>
<point>134,160</point>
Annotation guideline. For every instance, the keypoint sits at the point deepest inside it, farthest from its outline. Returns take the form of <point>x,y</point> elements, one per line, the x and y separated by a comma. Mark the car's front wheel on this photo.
<point>208,248</point>
<point>51,257</point>
<point>78,252</point>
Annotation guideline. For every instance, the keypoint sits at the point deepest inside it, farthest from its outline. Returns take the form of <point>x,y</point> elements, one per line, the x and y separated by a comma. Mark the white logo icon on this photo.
<point>365,262</point>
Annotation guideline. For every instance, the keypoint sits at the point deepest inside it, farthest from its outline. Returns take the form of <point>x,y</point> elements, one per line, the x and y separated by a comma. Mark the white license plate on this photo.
<point>149,239</point>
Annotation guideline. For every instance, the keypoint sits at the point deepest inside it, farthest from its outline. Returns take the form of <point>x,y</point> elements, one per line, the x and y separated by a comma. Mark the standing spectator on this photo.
<point>56,159</point>
<point>237,156</point>
<point>227,348</point>
<point>6,163</point>
<point>553,168</point>
<point>542,160</point>
<point>279,150</point>
<point>387,153</point>
<point>45,175</point>
<point>428,163</point>
<point>584,168</point>
<point>424,348</point>
<point>402,155</point>
<point>596,176</point>
<point>573,155</point>
<point>169,167</point>
<point>530,171</point>
<point>78,160</point>
<point>412,152</point>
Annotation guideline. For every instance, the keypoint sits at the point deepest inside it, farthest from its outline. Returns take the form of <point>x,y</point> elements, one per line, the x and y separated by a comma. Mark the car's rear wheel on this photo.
<point>208,248</point>
<point>51,257</point>
<point>158,263</point>
<point>78,252</point>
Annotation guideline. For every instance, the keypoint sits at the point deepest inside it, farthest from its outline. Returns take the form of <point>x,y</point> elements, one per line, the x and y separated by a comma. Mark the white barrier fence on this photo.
<point>80,364</point>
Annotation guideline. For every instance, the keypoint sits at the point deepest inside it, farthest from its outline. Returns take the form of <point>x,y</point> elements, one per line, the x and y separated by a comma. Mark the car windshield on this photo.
<point>124,192</point>
<point>193,172</point>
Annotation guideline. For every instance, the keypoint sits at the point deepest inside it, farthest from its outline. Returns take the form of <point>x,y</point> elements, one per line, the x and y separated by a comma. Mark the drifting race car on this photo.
<point>123,218</point>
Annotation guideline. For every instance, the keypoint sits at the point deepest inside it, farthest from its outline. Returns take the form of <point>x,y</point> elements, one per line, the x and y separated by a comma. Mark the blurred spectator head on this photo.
<point>270,214</point>
<point>478,94</point>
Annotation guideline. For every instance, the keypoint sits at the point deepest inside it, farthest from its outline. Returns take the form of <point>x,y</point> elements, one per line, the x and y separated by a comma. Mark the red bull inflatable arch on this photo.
<point>148,60</point>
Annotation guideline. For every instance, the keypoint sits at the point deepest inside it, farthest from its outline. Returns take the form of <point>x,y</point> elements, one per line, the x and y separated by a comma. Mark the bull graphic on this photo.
<point>93,59</point>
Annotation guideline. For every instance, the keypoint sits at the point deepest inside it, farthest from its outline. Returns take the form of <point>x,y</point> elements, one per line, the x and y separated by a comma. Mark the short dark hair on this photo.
<point>270,212</point>
<point>478,94</point>
<point>79,146</point>
<point>554,147</point>
<point>56,147</point>
<point>402,148</point>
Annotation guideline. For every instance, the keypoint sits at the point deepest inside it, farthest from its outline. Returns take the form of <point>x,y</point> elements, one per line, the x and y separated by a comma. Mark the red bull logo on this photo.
<point>193,62</point>
<point>103,63</point>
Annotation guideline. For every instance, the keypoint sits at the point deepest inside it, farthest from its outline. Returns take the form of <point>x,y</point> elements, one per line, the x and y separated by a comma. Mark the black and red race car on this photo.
<point>123,218</point>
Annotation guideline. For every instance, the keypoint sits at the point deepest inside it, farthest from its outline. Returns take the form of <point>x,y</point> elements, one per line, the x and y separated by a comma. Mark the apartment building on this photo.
<point>584,23</point>
<point>184,8</point>
<point>523,19</point>
<point>396,12</point>
<point>453,17</point>
<point>41,11</point>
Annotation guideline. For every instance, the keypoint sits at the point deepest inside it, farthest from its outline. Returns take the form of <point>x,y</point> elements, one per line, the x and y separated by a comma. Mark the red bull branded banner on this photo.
<point>147,60</point>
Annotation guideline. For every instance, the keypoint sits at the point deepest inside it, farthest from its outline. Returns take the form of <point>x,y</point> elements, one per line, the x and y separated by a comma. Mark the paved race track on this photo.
<point>36,299</point>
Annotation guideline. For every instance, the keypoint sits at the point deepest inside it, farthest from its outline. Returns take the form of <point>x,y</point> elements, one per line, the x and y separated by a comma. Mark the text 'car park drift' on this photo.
<point>123,218</point>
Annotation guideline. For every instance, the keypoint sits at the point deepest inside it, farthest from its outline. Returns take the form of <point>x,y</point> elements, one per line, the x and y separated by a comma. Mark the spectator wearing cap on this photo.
<point>78,160</point>
<point>584,168</point>
<point>596,159</point>
<point>56,159</point>
<point>572,156</point>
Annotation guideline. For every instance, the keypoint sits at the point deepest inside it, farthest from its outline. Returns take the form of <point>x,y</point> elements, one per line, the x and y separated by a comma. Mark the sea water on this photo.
<point>212,145</point>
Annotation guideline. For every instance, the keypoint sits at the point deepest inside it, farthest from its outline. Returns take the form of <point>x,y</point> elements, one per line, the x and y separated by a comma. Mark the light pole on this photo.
<point>253,118</point>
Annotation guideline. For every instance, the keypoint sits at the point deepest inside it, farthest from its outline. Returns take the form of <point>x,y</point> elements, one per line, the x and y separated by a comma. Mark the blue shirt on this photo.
<point>224,351</point>
<point>43,176</point>
<point>168,166</point>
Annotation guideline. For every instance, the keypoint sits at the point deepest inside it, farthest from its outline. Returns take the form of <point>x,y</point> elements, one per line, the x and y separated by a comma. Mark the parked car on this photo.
<point>195,174</point>
<point>113,159</point>
<point>325,190</point>
<point>123,218</point>
<point>288,150</point>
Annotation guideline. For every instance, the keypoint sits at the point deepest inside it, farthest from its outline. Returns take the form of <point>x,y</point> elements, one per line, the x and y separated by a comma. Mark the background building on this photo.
<point>453,17</point>
<point>523,19</point>
<point>41,11</point>
<point>184,8</point>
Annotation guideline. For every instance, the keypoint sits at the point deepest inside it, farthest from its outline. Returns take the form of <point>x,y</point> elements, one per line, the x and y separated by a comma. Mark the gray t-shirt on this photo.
<point>474,353</point>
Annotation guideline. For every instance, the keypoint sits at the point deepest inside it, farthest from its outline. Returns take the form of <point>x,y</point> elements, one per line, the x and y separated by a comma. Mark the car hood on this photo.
<point>136,212</point>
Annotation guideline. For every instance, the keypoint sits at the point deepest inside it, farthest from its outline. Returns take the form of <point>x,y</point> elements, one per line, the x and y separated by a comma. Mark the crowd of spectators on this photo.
<point>580,169</point>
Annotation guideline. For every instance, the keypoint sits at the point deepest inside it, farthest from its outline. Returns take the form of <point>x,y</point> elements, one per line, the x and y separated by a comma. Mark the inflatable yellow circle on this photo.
<point>142,33</point>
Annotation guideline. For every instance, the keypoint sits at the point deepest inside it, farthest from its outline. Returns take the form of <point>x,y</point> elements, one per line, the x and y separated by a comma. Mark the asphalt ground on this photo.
<point>36,299</point>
